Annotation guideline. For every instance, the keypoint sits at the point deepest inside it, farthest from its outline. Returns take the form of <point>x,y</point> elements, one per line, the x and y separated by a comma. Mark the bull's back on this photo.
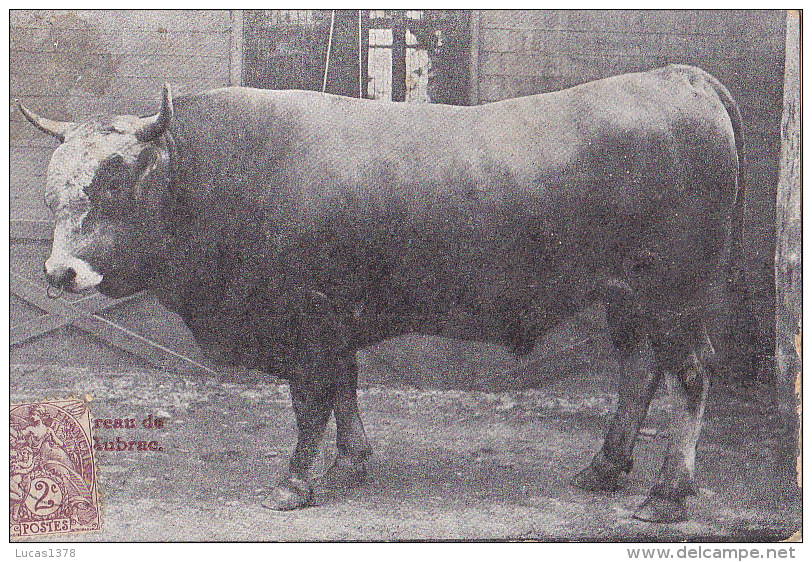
<point>632,137</point>
<point>629,130</point>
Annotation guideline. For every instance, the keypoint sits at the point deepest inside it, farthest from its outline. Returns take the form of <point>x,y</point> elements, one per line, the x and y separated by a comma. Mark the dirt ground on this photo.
<point>447,464</point>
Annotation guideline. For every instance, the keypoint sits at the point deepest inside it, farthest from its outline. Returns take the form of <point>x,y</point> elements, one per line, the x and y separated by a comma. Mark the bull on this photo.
<point>289,229</point>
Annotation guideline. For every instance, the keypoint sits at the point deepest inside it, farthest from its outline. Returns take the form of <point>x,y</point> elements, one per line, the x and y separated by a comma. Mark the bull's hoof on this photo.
<point>597,479</point>
<point>291,493</point>
<point>660,509</point>
<point>344,474</point>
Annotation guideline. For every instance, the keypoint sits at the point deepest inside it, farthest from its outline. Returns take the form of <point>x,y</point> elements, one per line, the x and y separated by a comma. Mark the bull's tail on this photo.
<point>734,349</point>
<point>739,208</point>
<point>728,295</point>
<point>736,236</point>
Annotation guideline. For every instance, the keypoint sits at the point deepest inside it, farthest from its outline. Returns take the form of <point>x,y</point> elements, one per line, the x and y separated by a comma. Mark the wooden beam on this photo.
<point>31,229</point>
<point>30,329</point>
<point>398,55</point>
<point>788,265</point>
<point>83,317</point>
<point>138,345</point>
<point>35,294</point>
<point>474,90</point>
<point>237,22</point>
<point>364,53</point>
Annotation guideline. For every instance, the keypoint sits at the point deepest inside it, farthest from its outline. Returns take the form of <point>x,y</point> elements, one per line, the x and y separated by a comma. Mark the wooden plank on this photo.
<point>97,302</point>
<point>788,262</point>
<point>26,196</point>
<point>134,42</point>
<point>31,161</point>
<point>82,106</point>
<point>24,331</point>
<point>136,344</point>
<point>236,47</point>
<point>36,91</point>
<point>31,229</point>
<point>476,17</point>
<point>22,210</point>
<point>398,56</point>
<point>132,102</point>
<point>577,68</point>
<point>363,78</point>
<point>29,189</point>
<point>21,63</point>
<point>193,21</point>
<point>112,333</point>
<point>35,294</point>
<point>23,135</point>
<point>765,23</point>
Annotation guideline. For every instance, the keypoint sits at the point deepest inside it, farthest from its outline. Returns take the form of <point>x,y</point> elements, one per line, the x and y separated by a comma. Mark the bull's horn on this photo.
<point>153,127</point>
<point>56,129</point>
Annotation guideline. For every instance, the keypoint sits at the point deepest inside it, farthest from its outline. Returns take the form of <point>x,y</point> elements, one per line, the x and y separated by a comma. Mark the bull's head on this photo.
<point>106,183</point>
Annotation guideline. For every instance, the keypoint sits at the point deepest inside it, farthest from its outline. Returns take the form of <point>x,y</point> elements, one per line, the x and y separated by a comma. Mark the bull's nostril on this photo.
<point>69,277</point>
<point>61,277</point>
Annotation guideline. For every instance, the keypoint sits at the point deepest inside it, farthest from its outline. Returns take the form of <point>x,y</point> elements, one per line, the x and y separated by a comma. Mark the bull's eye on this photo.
<point>111,177</point>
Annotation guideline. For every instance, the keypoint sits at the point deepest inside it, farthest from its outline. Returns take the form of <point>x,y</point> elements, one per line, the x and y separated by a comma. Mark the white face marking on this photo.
<point>72,168</point>
<point>74,164</point>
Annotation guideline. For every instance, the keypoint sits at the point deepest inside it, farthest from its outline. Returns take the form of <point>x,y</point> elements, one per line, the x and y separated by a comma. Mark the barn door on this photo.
<point>288,50</point>
<point>418,55</point>
<point>398,55</point>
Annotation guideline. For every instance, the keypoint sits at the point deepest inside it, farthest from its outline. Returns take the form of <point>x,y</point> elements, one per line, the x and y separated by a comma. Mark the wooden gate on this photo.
<point>37,314</point>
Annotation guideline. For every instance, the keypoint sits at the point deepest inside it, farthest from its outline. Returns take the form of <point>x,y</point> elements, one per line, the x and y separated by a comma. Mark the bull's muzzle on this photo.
<point>73,275</point>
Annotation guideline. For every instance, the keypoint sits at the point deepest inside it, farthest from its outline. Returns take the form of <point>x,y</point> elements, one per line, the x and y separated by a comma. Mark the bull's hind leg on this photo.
<point>639,379</point>
<point>688,383</point>
<point>349,468</point>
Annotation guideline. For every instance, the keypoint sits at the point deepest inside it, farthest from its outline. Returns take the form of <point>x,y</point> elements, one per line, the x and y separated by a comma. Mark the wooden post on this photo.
<point>365,53</point>
<point>399,55</point>
<point>788,259</point>
<point>235,67</point>
<point>474,95</point>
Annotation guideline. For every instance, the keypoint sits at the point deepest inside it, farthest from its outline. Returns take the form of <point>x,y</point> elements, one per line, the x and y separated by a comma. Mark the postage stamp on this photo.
<point>52,470</point>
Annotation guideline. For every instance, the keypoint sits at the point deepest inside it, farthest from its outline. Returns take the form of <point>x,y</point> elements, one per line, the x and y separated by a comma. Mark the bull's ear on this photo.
<point>56,129</point>
<point>153,127</point>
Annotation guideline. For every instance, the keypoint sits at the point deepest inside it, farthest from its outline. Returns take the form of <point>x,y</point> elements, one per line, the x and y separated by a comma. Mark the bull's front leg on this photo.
<point>321,387</point>
<point>312,404</point>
